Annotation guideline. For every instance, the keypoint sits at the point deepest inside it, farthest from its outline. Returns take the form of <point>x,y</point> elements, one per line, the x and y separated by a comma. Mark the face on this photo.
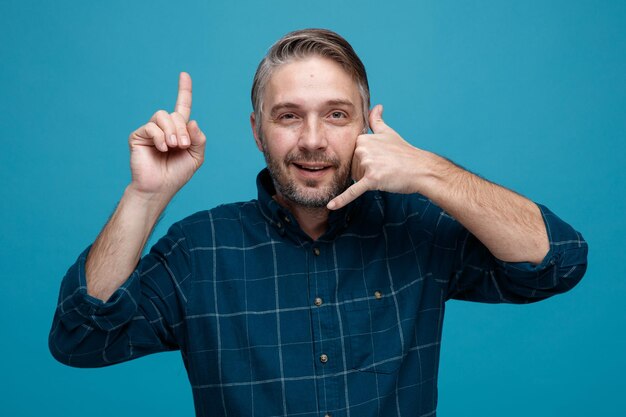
<point>311,118</point>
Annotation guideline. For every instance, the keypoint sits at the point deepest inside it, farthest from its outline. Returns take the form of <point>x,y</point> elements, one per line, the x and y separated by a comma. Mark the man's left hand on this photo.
<point>382,161</point>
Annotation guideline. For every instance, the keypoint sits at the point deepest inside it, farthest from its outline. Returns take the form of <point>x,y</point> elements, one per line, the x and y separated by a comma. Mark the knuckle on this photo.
<point>179,123</point>
<point>165,123</point>
<point>177,117</point>
<point>155,130</point>
<point>183,103</point>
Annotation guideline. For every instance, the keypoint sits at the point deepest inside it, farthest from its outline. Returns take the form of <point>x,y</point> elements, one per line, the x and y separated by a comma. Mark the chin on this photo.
<point>309,198</point>
<point>314,195</point>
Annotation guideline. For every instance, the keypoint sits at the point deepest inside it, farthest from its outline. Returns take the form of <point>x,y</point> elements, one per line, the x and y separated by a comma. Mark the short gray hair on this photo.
<point>303,44</point>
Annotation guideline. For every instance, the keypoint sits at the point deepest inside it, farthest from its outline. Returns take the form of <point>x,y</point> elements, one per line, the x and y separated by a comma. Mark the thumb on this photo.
<point>197,137</point>
<point>376,119</point>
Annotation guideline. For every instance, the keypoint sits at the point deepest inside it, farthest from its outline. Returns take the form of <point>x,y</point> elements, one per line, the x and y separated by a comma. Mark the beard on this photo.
<point>311,194</point>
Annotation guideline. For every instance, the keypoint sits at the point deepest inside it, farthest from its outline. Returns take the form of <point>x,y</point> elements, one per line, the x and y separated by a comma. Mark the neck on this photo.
<point>312,220</point>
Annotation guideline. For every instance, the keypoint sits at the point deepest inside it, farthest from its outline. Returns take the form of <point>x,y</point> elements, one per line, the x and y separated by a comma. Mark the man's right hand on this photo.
<point>167,151</point>
<point>164,154</point>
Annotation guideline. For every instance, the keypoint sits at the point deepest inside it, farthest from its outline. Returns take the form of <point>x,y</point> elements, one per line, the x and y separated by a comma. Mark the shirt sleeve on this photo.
<point>480,276</point>
<point>143,316</point>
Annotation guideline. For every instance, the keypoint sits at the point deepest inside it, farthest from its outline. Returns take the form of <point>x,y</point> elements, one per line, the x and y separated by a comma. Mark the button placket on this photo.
<point>321,290</point>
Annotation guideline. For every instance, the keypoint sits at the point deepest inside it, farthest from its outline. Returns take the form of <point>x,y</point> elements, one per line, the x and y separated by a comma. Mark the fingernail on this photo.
<point>184,140</point>
<point>173,140</point>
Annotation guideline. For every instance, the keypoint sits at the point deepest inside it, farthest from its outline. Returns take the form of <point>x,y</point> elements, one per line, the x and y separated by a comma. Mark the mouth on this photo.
<point>312,169</point>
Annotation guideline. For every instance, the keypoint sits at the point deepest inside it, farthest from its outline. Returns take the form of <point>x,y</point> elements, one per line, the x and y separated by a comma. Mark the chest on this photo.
<point>279,304</point>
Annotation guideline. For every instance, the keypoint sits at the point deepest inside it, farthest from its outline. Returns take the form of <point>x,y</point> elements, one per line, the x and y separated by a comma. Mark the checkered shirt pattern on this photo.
<point>271,323</point>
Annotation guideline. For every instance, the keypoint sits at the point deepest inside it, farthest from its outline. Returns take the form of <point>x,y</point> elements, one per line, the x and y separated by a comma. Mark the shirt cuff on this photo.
<point>568,249</point>
<point>76,307</point>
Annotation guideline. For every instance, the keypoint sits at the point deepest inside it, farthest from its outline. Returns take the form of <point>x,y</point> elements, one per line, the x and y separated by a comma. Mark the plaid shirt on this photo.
<point>271,323</point>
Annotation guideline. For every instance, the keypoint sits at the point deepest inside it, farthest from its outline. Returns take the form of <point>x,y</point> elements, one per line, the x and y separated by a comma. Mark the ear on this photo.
<point>257,140</point>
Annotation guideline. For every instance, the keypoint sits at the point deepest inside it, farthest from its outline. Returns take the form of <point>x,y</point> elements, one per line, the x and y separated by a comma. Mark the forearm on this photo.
<point>509,225</point>
<point>117,250</point>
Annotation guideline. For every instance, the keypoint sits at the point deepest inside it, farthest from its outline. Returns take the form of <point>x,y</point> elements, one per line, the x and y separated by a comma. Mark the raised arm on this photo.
<point>164,154</point>
<point>114,306</point>
<point>509,225</point>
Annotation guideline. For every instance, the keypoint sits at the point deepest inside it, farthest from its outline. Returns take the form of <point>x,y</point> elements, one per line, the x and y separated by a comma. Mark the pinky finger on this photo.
<point>351,194</point>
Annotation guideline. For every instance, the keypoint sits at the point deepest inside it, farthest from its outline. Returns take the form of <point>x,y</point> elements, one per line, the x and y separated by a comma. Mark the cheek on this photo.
<point>345,143</point>
<point>279,141</point>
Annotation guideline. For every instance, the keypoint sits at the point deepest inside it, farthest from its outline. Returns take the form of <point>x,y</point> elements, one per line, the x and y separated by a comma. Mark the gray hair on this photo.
<point>303,44</point>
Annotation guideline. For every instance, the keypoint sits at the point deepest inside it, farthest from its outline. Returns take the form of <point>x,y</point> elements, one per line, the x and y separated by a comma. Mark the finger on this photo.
<point>181,130</point>
<point>164,120</point>
<point>352,193</point>
<point>376,119</point>
<point>198,139</point>
<point>183,101</point>
<point>153,135</point>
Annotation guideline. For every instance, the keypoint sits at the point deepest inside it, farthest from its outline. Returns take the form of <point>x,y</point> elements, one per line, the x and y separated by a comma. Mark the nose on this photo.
<point>313,135</point>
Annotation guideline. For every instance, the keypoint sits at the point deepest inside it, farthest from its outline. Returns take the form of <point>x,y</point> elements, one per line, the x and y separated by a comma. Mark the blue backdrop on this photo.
<point>530,94</point>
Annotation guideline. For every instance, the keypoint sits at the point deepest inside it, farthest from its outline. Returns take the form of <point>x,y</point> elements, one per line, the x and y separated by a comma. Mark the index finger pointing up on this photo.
<point>183,101</point>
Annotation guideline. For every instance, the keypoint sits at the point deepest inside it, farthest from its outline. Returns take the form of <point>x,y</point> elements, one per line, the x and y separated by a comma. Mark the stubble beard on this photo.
<point>305,195</point>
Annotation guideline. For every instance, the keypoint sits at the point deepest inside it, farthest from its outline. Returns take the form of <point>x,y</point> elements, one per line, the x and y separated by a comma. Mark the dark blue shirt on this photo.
<point>271,323</point>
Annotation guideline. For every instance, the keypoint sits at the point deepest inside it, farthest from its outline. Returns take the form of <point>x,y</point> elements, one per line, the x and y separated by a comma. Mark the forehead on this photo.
<point>311,82</point>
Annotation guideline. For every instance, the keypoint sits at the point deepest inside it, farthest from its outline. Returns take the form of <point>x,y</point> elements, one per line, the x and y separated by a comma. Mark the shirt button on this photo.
<point>316,251</point>
<point>378,295</point>
<point>318,301</point>
<point>323,358</point>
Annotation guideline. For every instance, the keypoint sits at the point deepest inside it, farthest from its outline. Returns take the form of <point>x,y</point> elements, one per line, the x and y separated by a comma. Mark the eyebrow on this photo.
<point>290,105</point>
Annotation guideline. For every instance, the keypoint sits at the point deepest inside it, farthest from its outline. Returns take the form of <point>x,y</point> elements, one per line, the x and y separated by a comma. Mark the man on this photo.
<point>324,297</point>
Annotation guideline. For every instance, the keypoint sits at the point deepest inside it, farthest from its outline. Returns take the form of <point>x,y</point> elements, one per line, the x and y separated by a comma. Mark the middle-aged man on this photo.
<point>325,296</point>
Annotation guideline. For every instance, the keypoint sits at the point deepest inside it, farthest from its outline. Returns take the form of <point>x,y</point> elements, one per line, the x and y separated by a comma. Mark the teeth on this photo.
<point>311,168</point>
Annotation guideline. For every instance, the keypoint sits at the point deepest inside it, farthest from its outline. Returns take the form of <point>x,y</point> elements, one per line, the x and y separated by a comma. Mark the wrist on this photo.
<point>433,174</point>
<point>148,203</point>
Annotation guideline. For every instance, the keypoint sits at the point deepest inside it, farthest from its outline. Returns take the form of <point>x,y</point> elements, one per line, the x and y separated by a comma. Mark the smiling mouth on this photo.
<point>311,167</point>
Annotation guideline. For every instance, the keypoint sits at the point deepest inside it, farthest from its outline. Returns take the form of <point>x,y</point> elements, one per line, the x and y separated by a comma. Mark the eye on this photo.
<point>338,115</point>
<point>287,116</point>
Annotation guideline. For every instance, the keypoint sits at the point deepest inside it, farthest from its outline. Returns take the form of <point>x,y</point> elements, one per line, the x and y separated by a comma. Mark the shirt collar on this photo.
<point>282,219</point>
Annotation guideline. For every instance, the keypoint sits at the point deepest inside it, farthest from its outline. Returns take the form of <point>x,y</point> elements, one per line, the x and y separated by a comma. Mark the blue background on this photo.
<point>530,94</point>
